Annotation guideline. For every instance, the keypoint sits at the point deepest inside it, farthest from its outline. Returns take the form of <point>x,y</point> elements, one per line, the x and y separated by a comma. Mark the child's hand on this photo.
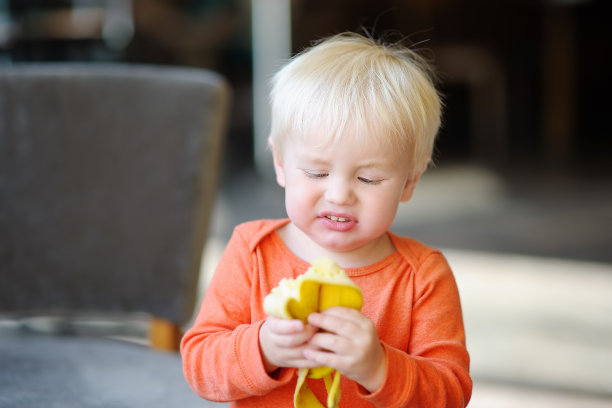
<point>349,344</point>
<point>282,343</point>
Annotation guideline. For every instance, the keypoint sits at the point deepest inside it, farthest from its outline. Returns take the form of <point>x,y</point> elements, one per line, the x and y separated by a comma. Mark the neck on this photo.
<point>308,250</point>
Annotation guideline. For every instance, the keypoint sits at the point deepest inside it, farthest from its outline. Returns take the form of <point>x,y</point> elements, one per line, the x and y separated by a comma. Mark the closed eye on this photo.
<point>366,180</point>
<point>315,174</point>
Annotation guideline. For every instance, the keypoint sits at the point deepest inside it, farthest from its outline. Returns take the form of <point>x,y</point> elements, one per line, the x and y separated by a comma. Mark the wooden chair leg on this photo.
<point>164,335</point>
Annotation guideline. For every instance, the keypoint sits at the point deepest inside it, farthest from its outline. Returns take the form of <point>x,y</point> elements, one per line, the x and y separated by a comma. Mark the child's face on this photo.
<point>343,196</point>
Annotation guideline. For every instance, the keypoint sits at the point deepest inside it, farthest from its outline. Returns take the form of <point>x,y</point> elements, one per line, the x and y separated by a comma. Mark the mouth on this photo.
<point>337,222</point>
<point>337,219</point>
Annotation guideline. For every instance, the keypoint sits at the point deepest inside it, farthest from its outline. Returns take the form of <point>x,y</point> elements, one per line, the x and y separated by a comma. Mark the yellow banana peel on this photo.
<point>322,286</point>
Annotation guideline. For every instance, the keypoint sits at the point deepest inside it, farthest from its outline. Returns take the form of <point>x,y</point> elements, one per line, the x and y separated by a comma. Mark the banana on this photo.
<point>322,286</point>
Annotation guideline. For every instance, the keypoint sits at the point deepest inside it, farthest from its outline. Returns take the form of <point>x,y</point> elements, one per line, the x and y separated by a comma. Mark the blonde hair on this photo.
<point>351,84</point>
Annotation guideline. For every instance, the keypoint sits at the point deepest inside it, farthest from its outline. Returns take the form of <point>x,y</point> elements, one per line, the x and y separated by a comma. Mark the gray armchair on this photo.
<point>107,179</point>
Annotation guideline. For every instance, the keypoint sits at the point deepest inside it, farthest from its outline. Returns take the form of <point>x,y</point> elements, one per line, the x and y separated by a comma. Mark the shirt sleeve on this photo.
<point>221,356</point>
<point>434,371</point>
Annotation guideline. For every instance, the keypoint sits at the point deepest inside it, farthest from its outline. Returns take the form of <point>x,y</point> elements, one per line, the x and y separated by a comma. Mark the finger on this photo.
<point>284,326</point>
<point>293,357</point>
<point>329,342</point>
<point>320,358</point>
<point>288,333</point>
<point>345,313</point>
<point>343,322</point>
<point>303,363</point>
<point>294,339</point>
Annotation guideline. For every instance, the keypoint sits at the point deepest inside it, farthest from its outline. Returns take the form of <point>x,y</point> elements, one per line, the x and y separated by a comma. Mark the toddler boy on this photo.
<point>353,128</point>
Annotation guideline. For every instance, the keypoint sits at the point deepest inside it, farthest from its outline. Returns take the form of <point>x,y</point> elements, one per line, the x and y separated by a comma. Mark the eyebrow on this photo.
<point>368,164</point>
<point>309,156</point>
<point>312,157</point>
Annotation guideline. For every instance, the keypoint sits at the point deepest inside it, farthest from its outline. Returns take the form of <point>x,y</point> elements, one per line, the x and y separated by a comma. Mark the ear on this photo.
<point>412,182</point>
<point>278,165</point>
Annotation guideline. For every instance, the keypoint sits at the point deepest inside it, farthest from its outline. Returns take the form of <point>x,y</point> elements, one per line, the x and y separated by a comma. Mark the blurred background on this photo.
<point>520,197</point>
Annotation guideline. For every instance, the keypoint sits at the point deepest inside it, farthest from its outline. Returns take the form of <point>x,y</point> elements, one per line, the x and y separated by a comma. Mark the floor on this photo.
<point>532,254</point>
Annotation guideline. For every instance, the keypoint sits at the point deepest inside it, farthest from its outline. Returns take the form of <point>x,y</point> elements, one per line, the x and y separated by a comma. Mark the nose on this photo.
<point>339,191</point>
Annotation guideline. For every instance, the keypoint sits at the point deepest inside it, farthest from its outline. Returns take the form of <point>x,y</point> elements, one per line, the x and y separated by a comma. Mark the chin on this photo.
<point>335,246</point>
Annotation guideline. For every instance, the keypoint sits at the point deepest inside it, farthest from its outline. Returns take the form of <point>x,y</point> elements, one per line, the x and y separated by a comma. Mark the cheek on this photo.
<point>298,199</point>
<point>382,208</point>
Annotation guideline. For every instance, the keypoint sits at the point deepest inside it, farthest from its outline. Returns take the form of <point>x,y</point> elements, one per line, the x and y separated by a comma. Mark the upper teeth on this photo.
<point>334,218</point>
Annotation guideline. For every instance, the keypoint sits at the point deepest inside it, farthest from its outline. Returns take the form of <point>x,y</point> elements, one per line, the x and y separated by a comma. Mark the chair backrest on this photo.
<point>107,178</point>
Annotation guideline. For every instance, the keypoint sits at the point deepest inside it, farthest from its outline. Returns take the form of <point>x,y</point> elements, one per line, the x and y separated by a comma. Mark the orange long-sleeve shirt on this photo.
<point>411,296</point>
